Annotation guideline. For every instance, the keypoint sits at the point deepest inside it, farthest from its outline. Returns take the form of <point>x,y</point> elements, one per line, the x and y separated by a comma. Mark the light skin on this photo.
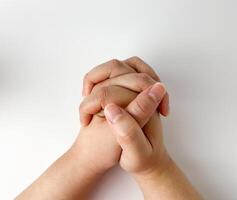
<point>132,138</point>
<point>145,158</point>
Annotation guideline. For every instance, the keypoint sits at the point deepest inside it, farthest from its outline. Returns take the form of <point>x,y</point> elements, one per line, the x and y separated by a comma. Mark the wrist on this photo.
<point>67,177</point>
<point>152,181</point>
<point>160,167</point>
<point>83,165</point>
<point>91,156</point>
<point>167,182</point>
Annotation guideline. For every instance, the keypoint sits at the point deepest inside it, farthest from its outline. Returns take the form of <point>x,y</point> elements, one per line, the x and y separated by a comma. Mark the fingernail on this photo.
<point>112,112</point>
<point>157,91</point>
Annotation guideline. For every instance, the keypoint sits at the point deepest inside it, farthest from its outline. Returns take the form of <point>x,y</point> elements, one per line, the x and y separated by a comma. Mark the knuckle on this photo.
<point>152,101</point>
<point>129,136</point>
<point>102,95</point>
<point>136,58</point>
<point>96,87</point>
<point>115,62</point>
<point>140,108</point>
<point>144,77</point>
<point>145,67</point>
<point>144,80</point>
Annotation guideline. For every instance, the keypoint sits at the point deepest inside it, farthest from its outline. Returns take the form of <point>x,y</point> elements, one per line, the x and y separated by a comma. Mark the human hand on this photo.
<point>109,73</point>
<point>73,175</point>
<point>95,140</point>
<point>95,146</point>
<point>95,150</point>
<point>143,151</point>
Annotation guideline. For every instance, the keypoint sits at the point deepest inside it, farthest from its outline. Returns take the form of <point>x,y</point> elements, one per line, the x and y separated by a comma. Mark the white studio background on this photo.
<point>46,46</point>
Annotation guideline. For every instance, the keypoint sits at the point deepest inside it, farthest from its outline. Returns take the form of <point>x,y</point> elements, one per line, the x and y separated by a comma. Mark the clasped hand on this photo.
<point>120,118</point>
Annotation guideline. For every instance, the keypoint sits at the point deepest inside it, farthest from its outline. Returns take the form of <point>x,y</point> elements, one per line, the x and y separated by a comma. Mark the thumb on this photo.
<point>146,103</point>
<point>127,132</point>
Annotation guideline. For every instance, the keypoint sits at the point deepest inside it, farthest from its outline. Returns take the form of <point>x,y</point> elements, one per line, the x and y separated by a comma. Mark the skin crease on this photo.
<point>74,174</point>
